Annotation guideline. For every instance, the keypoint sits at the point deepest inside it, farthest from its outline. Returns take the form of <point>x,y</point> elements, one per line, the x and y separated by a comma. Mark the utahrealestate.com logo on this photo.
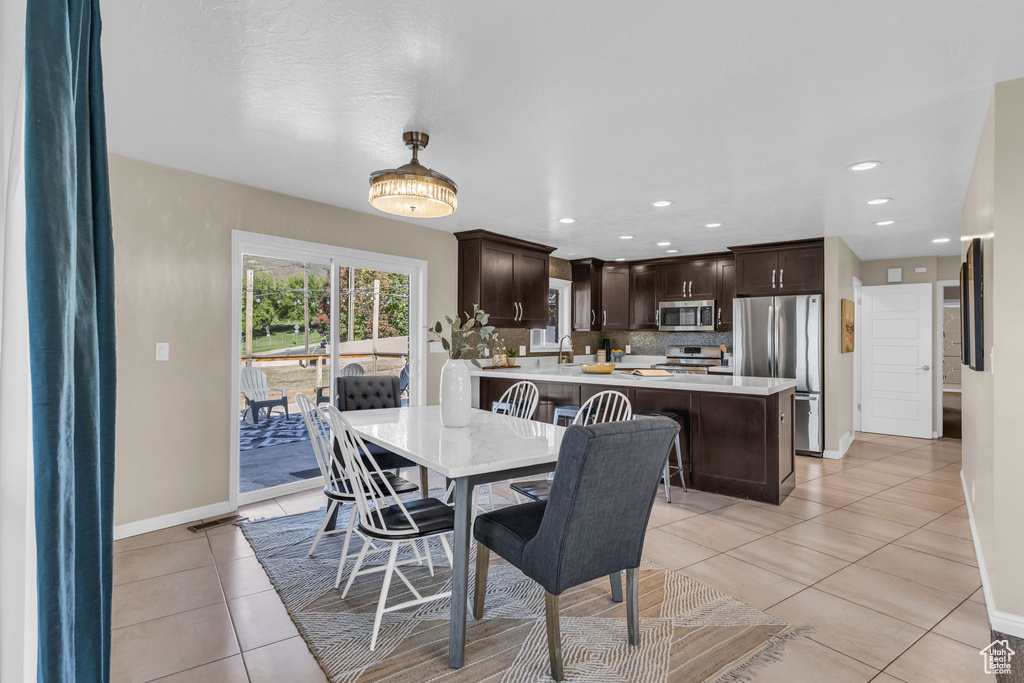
<point>997,657</point>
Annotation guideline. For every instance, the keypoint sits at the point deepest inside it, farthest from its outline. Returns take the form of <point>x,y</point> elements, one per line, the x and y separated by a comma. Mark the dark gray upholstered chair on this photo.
<point>367,392</point>
<point>592,525</point>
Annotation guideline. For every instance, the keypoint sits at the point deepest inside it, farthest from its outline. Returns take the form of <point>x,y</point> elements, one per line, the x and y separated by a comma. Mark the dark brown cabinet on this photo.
<point>643,298</point>
<point>614,298</point>
<point>726,293</point>
<point>504,276</point>
<point>794,268</point>
<point>688,280</point>
<point>586,295</point>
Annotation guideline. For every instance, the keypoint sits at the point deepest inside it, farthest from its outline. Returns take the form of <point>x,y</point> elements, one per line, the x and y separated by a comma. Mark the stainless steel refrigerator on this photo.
<point>781,336</point>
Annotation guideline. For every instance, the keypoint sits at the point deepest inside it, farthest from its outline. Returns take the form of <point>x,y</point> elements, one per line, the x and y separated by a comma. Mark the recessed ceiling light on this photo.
<point>880,200</point>
<point>864,165</point>
<point>940,240</point>
<point>884,222</point>
<point>712,225</point>
<point>566,220</point>
<point>672,251</point>
<point>625,237</point>
<point>664,244</point>
<point>620,259</point>
<point>663,202</point>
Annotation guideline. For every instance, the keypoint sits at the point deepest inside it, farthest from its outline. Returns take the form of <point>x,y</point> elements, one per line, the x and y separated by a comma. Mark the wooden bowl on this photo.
<point>597,368</point>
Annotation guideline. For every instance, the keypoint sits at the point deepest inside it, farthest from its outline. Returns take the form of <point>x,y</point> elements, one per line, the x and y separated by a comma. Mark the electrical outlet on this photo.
<point>587,352</point>
<point>629,349</point>
<point>435,347</point>
<point>163,351</point>
<point>522,351</point>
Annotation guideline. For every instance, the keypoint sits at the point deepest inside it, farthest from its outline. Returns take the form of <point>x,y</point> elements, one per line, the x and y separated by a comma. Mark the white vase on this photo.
<point>456,393</point>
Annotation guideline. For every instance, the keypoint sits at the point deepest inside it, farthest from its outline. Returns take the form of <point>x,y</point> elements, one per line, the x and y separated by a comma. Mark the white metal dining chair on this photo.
<point>337,483</point>
<point>605,406</point>
<point>391,522</point>
<point>519,400</point>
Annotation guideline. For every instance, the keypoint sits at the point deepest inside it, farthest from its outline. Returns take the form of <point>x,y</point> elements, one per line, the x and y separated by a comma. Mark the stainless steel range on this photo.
<point>690,358</point>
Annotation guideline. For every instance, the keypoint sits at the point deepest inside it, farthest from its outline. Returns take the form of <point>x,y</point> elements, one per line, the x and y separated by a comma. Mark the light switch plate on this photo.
<point>522,351</point>
<point>629,349</point>
<point>163,351</point>
<point>587,352</point>
<point>435,347</point>
<point>920,269</point>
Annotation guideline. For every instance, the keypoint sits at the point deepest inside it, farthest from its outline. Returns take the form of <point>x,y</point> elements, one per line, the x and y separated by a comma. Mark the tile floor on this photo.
<point>873,551</point>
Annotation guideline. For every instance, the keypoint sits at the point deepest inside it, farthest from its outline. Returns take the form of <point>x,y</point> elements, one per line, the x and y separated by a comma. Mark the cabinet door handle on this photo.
<point>519,311</point>
<point>604,317</point>
<point>781,271</point>
<point>773,278</point>
<point>593,317</point>
<point>719,317</point>
<point>689,293</point>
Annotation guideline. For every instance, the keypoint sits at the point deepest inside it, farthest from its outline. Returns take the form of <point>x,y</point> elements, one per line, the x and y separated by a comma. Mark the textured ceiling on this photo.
<point>744,113</point>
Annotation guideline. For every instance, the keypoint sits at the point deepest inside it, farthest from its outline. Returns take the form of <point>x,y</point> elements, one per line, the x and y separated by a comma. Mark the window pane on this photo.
<point>551,334</point>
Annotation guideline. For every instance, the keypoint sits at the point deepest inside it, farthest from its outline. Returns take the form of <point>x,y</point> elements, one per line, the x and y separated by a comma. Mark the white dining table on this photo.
<point>491,448</point>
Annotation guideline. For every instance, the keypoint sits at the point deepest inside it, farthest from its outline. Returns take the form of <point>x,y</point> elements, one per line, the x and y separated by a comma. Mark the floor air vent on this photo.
<point>223,521</point>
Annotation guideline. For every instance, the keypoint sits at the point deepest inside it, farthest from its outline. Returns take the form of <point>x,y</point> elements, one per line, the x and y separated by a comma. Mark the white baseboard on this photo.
<point>1004,622</point>
<point>845,441</point>
<point>144,526</point>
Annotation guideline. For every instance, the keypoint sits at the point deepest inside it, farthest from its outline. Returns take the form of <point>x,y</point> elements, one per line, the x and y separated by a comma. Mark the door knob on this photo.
<point>925,367</point>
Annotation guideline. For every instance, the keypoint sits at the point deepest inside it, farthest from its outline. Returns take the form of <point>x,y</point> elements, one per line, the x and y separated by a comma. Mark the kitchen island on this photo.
<point>737,432</point>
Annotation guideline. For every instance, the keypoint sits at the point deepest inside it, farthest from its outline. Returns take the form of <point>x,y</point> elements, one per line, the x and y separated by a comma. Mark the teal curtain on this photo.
<point>69,256</point>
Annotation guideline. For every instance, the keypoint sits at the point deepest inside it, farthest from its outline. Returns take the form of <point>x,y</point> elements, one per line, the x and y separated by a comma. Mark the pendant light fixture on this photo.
<point>413,190</point>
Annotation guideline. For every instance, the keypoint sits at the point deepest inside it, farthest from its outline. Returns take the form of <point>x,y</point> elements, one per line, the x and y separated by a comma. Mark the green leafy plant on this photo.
<point>464,337</point>
<point>512,353</point>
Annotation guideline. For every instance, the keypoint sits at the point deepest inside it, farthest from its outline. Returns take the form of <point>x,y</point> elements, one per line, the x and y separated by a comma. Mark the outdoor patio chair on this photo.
<point>257,394</point>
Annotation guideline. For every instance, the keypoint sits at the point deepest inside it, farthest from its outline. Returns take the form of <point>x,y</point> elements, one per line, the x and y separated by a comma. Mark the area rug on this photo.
<point>689,632</point>
<point>272,431</point>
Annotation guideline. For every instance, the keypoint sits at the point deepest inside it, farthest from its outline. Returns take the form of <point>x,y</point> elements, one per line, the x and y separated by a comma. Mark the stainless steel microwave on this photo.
<point>686,316</point>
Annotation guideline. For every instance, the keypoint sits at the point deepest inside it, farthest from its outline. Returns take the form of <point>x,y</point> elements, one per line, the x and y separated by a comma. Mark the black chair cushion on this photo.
<point>368,392</point>
<point>506,531</point>
<point>431,516</point>
<point>538,489</point>
<point>345,494</point>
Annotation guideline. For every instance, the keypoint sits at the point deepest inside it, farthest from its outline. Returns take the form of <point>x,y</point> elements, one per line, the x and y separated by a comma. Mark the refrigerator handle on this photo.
<point>772,365</point>
<point>814,350</point>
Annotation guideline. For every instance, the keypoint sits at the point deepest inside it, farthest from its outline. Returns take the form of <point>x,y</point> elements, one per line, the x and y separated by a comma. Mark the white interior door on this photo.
<point>896,379</point>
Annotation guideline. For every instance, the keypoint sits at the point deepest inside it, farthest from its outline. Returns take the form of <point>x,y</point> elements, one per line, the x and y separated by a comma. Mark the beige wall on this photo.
<point>172,238</point>
<point>841,266</point>
<point>993,468</point>
<point>875,272</point>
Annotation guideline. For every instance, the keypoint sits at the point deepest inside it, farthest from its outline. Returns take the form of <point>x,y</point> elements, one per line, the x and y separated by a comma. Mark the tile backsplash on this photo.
<point>642,343</point>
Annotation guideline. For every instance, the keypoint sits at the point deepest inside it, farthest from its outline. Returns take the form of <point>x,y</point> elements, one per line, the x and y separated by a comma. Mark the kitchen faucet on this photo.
<point>565,356</point>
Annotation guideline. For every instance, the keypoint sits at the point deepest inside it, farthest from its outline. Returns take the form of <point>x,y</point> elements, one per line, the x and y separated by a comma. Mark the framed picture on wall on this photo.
<point>976,312</point>
<point>847,336</point>
<point>965,318</point>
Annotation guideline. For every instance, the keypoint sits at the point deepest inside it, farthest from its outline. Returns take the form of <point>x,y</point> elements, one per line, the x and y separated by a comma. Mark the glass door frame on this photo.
<point>334,257</point>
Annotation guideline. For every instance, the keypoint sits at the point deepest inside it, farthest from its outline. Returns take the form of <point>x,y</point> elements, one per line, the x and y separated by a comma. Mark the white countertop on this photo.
<point>754,386</point>
<point>489,443</point>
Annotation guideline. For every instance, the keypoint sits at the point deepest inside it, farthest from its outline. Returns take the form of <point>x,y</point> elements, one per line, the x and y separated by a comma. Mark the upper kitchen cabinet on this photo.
<point>586,294</point>
<point>504,276</point>
<point>726,293</point>
<point>614,297</point>
<point>780,269</point>
<point>687,280</point>
<point>643,298</point>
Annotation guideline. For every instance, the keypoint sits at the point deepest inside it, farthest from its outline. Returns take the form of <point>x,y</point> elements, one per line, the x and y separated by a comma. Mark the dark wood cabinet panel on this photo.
<point>497,275</point>
<point>673,279</point>
<point>643,298</point>
<point>802,271</point>
<point>614,298</point>
<point>780,269</point>
<point>532,287</point>
<point>756,272</point>
<point>504,276</point>
<point>586,295</point>
<point>702,280</point>
<point>726,293</point>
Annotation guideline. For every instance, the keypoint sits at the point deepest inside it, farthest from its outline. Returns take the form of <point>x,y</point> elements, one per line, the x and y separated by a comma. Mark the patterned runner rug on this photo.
<point>689,632</point>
